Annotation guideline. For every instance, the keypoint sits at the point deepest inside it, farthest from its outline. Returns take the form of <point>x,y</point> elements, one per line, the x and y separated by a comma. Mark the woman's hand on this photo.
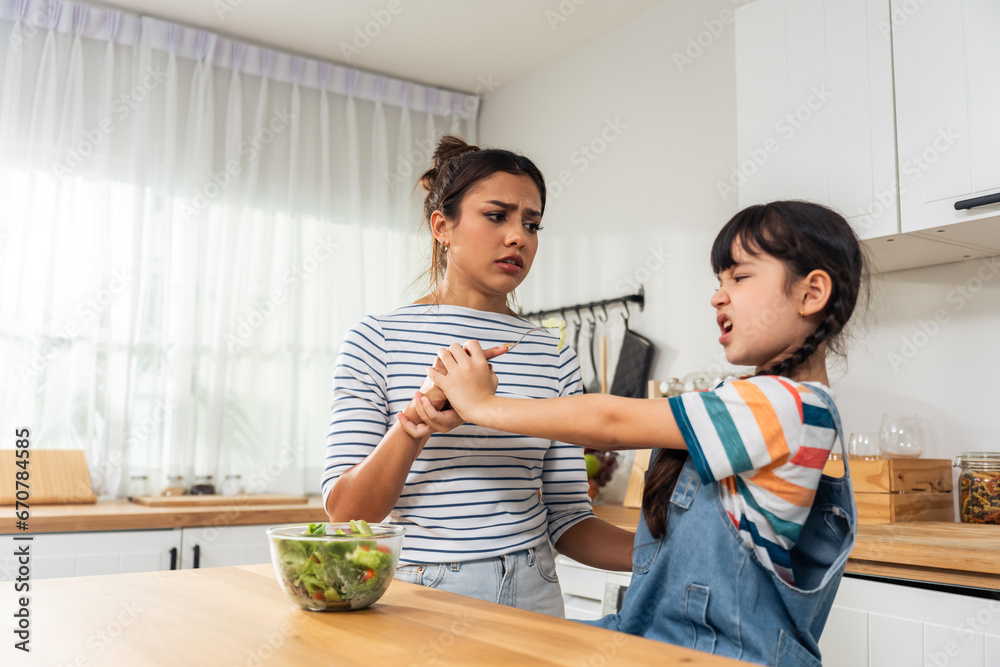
<point>469,381</point>
<point>434,421</point>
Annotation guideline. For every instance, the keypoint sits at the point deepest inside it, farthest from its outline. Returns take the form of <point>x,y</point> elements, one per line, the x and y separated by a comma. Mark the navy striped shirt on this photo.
<point>473,492</point>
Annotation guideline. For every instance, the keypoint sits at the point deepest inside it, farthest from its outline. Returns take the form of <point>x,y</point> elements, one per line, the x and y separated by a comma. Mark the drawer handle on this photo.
<point>197,556</point>
<point>977,201</point>
<point>173,558</point>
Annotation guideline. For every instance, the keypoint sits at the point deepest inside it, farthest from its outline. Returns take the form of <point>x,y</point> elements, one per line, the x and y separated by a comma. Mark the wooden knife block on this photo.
<point>55,477</point>
<point>899,490</point>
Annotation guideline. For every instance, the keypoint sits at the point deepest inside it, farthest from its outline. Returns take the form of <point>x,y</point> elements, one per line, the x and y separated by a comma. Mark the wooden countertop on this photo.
<point>959,554</point>
<point>125,515</point>
<point>240,616</point>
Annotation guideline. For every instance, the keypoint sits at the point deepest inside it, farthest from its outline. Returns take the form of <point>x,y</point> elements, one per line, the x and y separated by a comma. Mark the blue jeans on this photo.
<point>524,579</point>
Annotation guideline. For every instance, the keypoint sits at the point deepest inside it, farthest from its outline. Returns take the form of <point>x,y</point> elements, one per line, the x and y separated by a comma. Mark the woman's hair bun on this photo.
<point>449,147</point>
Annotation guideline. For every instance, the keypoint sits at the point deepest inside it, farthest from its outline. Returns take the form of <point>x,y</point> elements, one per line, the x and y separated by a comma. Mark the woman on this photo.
<point>479,506</point>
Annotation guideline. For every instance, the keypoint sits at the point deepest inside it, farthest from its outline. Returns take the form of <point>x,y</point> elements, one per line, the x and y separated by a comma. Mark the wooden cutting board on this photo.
<point>215,500</point>
<point>55,477</point>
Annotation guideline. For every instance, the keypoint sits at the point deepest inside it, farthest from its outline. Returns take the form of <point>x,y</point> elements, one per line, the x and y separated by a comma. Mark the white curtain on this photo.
<point>188,224</point>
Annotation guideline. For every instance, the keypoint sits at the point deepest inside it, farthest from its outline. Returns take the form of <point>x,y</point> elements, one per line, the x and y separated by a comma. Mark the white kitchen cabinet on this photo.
<point>815,108</point>
<point>228,545</point>
<point>123,551</point>
<point>589,593</point>
<point>83,554</point>
<point>881,624</point>
<point>947,83</point>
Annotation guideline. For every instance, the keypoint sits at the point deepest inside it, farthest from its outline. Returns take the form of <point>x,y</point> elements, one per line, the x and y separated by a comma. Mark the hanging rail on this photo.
<point>639,298</point>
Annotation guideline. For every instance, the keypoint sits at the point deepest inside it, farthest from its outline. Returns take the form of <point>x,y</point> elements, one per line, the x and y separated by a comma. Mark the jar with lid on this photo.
<point>175,486</point>
<point>979,487</point>
<point>203,486</point>
<point>232,485</point>
<point>138,486</point>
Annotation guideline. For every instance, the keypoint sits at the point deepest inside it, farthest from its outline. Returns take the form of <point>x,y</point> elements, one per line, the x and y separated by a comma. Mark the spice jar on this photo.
<point>232,485</point>
<point>175,486</point>
<point>138,486</point>
<point>203,486</point>
<point>979,487</point>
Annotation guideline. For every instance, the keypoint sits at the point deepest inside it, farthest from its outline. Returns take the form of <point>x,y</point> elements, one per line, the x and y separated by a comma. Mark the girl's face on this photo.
<point>758,311</point>
<point>493,243</point>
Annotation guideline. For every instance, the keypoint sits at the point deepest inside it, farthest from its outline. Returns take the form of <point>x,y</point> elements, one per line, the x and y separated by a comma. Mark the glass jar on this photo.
<point>232,485</point>
<point>175,486</point>
<point>138,486</point>
<point>979,487</point>
<point>203,486</point>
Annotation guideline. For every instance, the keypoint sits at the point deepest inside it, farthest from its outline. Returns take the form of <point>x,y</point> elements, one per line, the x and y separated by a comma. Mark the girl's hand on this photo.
<point>469,382</point>
<point>434,421</point>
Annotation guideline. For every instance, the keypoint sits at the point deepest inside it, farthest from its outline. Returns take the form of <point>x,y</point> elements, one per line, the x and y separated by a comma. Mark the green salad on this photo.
<point>344,574</point>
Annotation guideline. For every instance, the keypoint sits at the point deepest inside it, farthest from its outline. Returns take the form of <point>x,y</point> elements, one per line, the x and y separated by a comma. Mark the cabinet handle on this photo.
<point>977,201</point>
<point>173,558</point>
<point>197,556</point>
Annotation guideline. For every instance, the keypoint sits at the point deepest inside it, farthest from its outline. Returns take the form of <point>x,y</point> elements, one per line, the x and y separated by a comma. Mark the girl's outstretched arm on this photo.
<point>599,421</point>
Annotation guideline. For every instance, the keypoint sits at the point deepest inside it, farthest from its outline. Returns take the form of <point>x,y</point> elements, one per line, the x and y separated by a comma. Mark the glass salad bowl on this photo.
<point>335,566</point>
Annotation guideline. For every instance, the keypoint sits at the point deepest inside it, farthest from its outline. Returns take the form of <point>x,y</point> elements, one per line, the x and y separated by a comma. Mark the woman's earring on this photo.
<point>444,248</point>
<point>802,313</point>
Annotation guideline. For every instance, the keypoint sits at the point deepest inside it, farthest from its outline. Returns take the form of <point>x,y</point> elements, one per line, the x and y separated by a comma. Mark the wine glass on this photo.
<point>864,446</point>
<point>903,435</point>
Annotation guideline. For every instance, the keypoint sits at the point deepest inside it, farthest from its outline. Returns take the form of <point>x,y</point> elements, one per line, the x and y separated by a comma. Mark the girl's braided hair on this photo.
<point>805,237</point>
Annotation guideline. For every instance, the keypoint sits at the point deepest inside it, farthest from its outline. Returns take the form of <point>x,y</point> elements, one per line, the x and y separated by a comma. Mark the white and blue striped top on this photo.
<point>474,492</point>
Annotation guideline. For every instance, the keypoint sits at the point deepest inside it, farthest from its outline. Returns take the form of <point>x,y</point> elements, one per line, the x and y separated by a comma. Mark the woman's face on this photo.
<point>493,243</point>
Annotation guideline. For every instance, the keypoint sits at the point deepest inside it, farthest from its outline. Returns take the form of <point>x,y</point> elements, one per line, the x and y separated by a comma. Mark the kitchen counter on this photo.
<point>125,515</point>
<point>240,616</point>
<point>939,552</point>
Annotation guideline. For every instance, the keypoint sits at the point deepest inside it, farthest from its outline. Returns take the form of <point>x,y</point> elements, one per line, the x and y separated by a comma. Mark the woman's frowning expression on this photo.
<point>493,243</point>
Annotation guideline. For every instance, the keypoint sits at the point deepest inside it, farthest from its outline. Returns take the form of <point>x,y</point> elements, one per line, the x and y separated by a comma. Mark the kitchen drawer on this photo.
<point>580,580</point>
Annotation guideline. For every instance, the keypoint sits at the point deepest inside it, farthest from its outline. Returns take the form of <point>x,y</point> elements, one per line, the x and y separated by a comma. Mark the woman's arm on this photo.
<point>599,421</point>
<point>599,544</point>
<point>371,489</point>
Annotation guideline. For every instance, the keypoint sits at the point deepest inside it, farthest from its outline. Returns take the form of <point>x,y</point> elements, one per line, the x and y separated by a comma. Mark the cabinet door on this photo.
<point>815,108</point>
<point>947,79</point>
<point>228,545</point>
<point>83,554</point>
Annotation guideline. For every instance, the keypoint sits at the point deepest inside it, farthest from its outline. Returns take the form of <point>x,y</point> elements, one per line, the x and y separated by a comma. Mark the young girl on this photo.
<point>479,506</point>
<point>743,541</point>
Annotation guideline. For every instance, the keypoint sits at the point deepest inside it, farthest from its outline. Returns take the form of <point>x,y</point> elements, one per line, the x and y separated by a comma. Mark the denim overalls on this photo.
<point>702,588</point>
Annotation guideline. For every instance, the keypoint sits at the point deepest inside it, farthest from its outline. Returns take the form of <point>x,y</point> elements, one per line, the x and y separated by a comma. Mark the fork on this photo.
<point>527,333</point>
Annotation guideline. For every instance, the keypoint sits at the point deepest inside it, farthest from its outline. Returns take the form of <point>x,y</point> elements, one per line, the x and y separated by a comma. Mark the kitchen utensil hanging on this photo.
<point>634,363</point>
<point>594,385</point>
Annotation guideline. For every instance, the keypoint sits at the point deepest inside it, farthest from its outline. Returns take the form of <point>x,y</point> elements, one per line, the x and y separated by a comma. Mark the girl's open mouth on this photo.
<point>726,325</point>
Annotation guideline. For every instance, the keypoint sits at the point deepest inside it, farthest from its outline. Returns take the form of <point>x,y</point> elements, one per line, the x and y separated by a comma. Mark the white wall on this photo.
<point>653,190</point>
